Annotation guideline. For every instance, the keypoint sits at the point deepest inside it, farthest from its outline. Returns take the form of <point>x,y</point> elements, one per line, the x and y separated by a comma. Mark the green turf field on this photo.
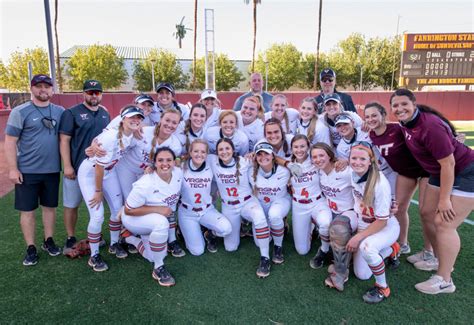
<point>214,288</point>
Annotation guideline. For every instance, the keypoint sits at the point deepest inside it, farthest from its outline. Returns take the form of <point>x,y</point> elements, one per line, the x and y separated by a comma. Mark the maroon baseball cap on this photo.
<point>39,78</point>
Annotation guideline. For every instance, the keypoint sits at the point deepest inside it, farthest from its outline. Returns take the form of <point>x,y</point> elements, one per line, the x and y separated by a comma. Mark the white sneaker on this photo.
<point>420,256</point>
<point>435,285</point>
<point>427,265</point>
<point>405,249</point>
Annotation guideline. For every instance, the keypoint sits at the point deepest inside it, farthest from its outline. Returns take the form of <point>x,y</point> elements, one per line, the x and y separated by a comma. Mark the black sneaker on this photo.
<point>175,249</point>
<point>163,277</point>
<point>211,241</point>
<point>318,260</point>
<point>102,242</point>
<point>278,255</point>
<point>246,229</point>
<point>131,249</point>
<point>376,295</point>
<point>50,247</point>
<point>31,257</point>
<point>264,268</point>
<point>97,264</point>
<point>70,241</point>
<point>117,250</point>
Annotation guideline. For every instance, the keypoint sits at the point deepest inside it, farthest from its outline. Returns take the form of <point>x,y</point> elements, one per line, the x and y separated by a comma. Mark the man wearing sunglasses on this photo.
<point>32,153</point>
<point>79,125</point>
<point>327,80</point>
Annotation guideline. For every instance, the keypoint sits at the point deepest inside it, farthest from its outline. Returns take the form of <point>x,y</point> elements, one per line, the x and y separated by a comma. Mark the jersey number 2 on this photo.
<point>198,198</point>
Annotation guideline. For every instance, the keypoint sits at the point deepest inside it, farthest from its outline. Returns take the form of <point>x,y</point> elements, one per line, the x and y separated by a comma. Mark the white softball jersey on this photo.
<point>254,130</point>
<point>306,187</point>
<point>322,133</point>
<point>272,187</point>
<point>239,139</point>
<point>293,117</point>
<point>337,188</point>
<point>196,186</point>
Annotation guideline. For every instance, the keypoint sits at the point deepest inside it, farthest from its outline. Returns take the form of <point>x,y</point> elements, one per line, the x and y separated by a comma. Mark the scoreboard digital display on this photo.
<point>437,59</point>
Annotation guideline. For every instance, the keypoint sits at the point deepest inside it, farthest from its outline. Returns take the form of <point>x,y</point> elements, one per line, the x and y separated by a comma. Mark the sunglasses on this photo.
<point>93,92</point>
<point>362,143</point>
<point>49,123</point>
<point>327,80</point>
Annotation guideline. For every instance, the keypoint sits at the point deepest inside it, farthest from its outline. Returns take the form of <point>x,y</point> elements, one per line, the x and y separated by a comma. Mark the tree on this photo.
<point>96,62</point>
<point>58,63</point>
<point>254,2</point>
<point>3,73</point>
<point>15,77</point>
<point>227,74</point>
<point>180,32</point>
<point>166,68</point>
<point>284,66</point>
<point>309,72</point>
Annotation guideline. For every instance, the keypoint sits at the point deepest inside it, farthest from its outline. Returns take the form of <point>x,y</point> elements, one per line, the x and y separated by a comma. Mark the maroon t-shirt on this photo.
<point>430,139</point>
<point>393,148</point>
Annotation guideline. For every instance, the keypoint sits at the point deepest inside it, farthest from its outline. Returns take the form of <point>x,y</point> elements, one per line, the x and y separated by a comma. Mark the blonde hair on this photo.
<point>156,132</point>
<point>314,119</point>
<point>257,100</point>
<point>373,176</point>
<point>285,116</point>
<point>226,113</point>
<point>184,164</point>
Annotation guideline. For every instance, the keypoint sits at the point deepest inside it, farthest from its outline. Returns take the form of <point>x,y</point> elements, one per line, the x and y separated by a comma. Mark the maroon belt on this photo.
<point>238,201</point>
<point>194,209</point>
<point>306,201</point>
<point>368,220</point>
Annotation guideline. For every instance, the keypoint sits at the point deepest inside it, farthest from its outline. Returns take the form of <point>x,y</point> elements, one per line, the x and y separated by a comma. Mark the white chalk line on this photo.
<point>469,222</point>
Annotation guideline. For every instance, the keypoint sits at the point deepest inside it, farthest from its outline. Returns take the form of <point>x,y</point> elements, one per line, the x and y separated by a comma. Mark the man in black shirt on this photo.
<point>78,127</point>
<point>327,80</point>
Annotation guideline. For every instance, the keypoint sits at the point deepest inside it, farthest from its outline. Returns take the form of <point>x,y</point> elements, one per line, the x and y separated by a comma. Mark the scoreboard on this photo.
<point>437,59</point>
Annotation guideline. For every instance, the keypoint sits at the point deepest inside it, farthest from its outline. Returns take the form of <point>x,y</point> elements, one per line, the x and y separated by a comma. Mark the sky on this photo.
<point>151,23</point>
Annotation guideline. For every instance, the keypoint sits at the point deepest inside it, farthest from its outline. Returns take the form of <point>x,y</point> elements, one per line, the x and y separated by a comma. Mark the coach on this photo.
<point>79,126</point>
<point>32,153</point>
<point>327,80</point>
<point>256,89</point>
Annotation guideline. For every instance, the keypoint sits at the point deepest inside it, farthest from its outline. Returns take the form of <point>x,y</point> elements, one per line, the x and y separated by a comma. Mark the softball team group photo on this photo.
<point>184,179</point>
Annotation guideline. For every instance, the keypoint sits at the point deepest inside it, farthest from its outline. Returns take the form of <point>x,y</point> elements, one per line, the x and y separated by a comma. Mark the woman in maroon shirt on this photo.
<point>450,196</point>
<point>389,139</point>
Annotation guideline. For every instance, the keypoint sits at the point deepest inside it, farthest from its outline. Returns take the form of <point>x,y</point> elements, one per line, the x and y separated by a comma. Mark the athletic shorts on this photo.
<point>72,196</point>
<point>37,187</point>
<point>463,182</point>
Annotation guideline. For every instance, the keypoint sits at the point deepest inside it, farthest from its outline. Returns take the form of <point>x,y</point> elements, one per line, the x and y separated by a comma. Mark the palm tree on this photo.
<point>59,76</point>
<point>180,32</point>
<point>316,63</point>
<point>193,85</point>
<point>255,2</point>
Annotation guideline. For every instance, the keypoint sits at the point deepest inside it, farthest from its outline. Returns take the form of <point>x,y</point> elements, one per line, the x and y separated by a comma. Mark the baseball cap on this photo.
<point>334,97</point>
<point>327,73</point>
<point>92,85</point>
<point>165,85</point>
<point>208,93</point>
<point>38,78</point>
<point>265,147</point>
<point>144,98</point>
<point>342,118</point>
<point>131,111</point>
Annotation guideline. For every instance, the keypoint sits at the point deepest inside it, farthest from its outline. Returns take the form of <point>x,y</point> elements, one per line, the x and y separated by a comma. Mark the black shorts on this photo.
<point>44,187</point>
<point>464,181</point>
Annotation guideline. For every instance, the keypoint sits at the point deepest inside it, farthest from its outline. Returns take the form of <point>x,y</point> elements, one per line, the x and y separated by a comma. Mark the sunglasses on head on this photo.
<point>362,143</point>
<point>49,123</point>
<point>93,92</point>
<point>327,80</point>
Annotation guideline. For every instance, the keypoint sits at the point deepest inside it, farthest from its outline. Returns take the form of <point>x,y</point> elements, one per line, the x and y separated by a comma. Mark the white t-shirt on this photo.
<point>321,134</point>
<point>273,187</point>
<point>293,117</point>
<point>380,209</point>
<point>196,186</point>
<point>151,190</point>
<point>337,188</point>
<point>306,186</point>
<point>240,140</point>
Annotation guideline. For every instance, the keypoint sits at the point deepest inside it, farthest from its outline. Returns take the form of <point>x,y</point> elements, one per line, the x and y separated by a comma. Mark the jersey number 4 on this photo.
<point>231,191</point>
<point>304,192</point>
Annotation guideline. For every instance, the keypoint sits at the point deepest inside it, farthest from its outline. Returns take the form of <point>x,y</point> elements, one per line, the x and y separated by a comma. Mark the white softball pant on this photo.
<point>275,212</point>
<point>128,176</point>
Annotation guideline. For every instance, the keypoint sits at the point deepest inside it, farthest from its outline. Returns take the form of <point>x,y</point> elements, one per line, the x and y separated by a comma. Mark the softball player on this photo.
<point>146,104</point>
<point>274,134</point>
<point>310,125</point>
<point>98,178</point>
<point>166,100</point>
<point>151,202</point>
<point>269,182</point>
<point>232,177</point>
<point>308,203</point>
<point>194,127</point>
<point>337,189</point>
<point>332,108</point>
<point>212,104</point>
<point>288,117</point>
<point>378,230</point>
<point>250,120</point>
<point>227,129</point>
<point>196,208</point>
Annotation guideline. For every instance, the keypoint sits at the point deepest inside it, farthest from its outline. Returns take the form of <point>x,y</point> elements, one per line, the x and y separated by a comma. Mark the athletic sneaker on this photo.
<point>246,229</point>
<point>97,264</point>
<point>163,277</point>
<point>278,257</point>
<point>31,257</point>
<point>376,294</point>
<point>117,250</point>
<point>405,249</point>
<point>393,260</point>
<point>175,249</point>
<point>211,241</point>
<point>427,265</point>
<point>102,242</point>
<point>124,233</point>
<point>436,284</point>
<point>318,260</point>
<point>264,268</point>
<point>423,255</point>
<point>50,247</point>
<point>70,241</point>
